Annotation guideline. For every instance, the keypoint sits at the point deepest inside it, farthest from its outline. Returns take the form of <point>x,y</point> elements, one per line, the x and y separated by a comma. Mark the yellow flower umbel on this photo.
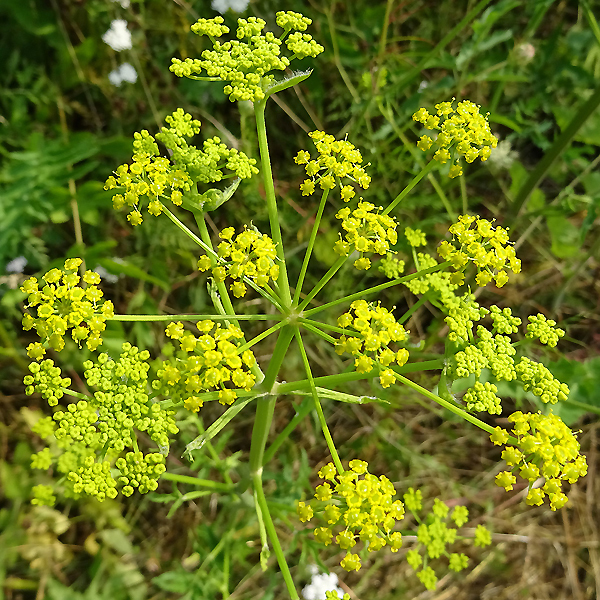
<point>375,328</point>
<point>250,255</point>
<point>207,362</point>
<point>488,248</point>
<point>357,505</point>
<point>245,63</point>
<point>62,304</point>
<point>337,159</point>
<point>463,132</point>
<point>157,179</point>
<point>545,447</point>
<point>366,231</point>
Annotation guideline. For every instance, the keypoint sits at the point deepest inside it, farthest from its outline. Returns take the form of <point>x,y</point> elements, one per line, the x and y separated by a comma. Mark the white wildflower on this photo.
<point>525,52</point>
<point>321,583</point>
<point>502,156</point>
<point>16,265</point>
<point>223,6</point>
<point>118,37</point>
<point>106,276</point>
<point>125,72</point>
<point>123,3</point>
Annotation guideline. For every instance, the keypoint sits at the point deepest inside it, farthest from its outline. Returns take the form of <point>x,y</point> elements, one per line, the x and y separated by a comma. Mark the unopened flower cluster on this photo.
<point>93,434</point>
<point>337,159</point>
<point>249,255</point>
<point>543,329</point>
<point>371,329</point>
<point>434,535</point>
<point>366,231</point>
<point>62,304</point>
<point>494,350</point>
<point>204,363</point>
<point>461,132</point>
<point>245,64</point>
<point>359,506</point>
<point>545,447</point>
<point>155,178</point>
<point>488,248</point>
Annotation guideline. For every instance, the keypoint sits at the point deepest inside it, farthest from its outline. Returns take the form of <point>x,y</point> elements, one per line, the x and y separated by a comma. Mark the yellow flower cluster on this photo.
<point>545,447</point>
<point>204,363</point>
<point>360,504</point>
<point>245,64</point>
<point>63,304</point>
<point>148,177</point>
<point>375,329</point>
<point>487,247</point>
<point>250,255</point>
<point>463,132</point>
<point>366,231</point>
<point>157,178</point>
<point>337,159</point>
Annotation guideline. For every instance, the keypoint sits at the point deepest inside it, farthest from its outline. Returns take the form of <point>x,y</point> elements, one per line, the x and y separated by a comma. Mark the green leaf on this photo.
<point>117,541</point>
<point>209,200</point>
<point>583,379</point>
<point>294,79</point>
<point>565,237</point>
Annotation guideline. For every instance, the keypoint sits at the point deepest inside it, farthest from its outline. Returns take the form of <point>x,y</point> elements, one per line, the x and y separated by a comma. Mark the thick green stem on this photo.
<point>311,243</point>
<point>376,289</point>
<point>318,407</point>
<point>425,171</point>
<point>265,161</point>
<point>336,267</point>
<point>265,407</point>
<point>266,515</point>
<point>266,404</point>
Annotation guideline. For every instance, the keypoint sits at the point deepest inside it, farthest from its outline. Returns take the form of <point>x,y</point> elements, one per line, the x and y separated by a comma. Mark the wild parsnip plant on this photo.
<point>95,447</point>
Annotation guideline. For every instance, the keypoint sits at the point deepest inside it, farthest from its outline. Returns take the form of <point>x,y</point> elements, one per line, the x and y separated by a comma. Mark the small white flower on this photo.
<point>16,265</point>
<point>125,72</point>
<point>502,156</point>
<point>109,277</point>
<point>118,37</point>
<point>321,583</point>
<point>123,3</point>
<point>422,86</point>
<point>525,52</point>
<point>223,6</point>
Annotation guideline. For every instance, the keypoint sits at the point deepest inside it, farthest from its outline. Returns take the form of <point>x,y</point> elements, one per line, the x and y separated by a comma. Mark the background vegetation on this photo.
<point>534,66</point>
